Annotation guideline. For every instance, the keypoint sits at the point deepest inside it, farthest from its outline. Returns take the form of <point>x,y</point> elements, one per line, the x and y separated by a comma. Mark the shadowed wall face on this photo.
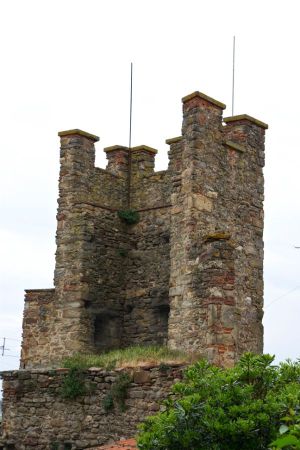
<point>188,273</point>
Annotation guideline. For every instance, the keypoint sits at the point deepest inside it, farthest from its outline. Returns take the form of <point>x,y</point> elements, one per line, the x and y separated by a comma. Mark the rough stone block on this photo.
<point>141,376</point>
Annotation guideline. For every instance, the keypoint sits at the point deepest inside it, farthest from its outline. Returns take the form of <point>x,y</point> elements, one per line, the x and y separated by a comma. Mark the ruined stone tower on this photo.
<point>187,273</point>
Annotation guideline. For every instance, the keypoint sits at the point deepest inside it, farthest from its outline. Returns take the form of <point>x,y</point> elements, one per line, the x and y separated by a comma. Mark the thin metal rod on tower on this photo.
<point>233,73</point>
<point>130,119</point>
<point>3,346</point>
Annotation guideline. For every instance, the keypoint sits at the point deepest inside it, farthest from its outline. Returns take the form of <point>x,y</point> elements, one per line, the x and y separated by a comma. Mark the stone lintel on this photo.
<point>173,140</point>
<point>28,291</point>
<point>245,117</point>
<point>204,97</point>
<point>217,236</point>
<point>114,148</point>
<point>234,146</point>
<point>141,148</point>
<point>77,132</point>
<point>7,373</point>
<point>32,294</point>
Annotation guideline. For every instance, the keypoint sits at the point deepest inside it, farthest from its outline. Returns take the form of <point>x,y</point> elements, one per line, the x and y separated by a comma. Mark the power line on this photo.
<point>11,339</point>
<point>281,296</point>
<point>4,349</point>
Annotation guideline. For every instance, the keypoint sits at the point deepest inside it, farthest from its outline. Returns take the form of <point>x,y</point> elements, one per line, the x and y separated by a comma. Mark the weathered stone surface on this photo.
<point>41,418</point>
<point>141,376</point>
<point>216,234</point>
<point>188,274</point>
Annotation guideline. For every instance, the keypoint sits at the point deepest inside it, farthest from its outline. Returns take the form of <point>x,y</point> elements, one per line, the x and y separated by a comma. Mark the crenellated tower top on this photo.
<point>172,257</point>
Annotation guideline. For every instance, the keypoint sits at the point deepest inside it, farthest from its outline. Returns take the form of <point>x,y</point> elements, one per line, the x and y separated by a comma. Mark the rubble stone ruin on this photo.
<point>172,257</point>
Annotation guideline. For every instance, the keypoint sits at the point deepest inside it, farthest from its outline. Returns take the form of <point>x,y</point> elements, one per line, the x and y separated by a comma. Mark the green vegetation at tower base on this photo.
<point>241,408</point>
<point>73,384</point>
<point>130,357</point>
<point>118,393</point>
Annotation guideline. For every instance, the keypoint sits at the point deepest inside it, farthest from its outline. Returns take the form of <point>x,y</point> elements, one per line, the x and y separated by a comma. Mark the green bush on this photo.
<point>108,402</point>
<point>119,390</point>
<point>289,431</point>
<point>225,409</point>
<point>73,384</point>
<point>117,394</point>
<point>129,216</point>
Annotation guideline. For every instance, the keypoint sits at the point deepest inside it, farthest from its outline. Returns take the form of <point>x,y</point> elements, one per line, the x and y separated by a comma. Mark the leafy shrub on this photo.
<point>119,389</point>
<point>123,252</point>
<point>289,436</point>
<point>118,393</point>
<point>289,432</point>
<point>54,446</point>
<point>108,402</point>
<point>129,216</point>
<point>225,409</point>
<point>73,384</point>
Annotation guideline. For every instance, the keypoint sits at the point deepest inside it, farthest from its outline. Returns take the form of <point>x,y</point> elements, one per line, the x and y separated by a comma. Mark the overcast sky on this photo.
<point>66,64</point>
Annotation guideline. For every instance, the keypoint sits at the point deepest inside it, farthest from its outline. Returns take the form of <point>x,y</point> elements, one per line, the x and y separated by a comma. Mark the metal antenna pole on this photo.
<point>130,119</point>
<point>233,69</point>
<point>3,346</point>
<point>129,146</point>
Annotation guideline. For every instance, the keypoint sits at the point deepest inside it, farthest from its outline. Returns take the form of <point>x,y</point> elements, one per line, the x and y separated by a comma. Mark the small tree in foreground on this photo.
<point>226,409</point>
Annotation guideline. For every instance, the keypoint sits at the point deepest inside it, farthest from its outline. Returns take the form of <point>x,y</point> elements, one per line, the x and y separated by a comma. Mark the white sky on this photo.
<point>65,64</point>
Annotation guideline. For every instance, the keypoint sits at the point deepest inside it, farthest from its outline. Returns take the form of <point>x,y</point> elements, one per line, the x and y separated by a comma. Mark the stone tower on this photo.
<point>188,272</point>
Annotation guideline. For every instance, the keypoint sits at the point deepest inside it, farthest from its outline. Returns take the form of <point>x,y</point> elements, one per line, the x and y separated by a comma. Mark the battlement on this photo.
<point>172,257</point>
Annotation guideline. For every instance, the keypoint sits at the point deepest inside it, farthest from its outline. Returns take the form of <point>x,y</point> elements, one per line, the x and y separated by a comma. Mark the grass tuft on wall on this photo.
<point>137,356</point>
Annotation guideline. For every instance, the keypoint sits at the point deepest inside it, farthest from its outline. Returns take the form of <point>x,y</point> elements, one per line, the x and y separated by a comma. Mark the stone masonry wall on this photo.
<point>189,274</point>
<point>37,416</point>
<point>39,316</point>
<point>148,264</point>
<point>216,234</point>
<point>111,279</point>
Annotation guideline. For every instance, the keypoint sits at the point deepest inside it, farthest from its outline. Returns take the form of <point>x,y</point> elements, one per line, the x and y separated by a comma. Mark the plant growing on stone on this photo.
<point>73,385</point>
<point>59,446</point>
<point>123,252</point>
<point>129,216</point>
<point>225,409</point>
<point>108,402</point>
<point>54,446</point>
<point>164,367</point>
<point>130,357</point>
<point>118,393</point>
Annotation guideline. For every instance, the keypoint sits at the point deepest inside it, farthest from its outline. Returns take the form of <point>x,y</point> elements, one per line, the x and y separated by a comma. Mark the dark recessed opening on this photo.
<point>163,312</point>
<point>162,319</point>
<point>106,331</point>
<point>87,303</point>
<point>128,309</point>
<point>166,238</point>
<point>67,446</point>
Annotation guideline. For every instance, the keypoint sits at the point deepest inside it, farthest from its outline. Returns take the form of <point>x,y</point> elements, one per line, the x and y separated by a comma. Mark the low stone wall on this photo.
<point>36,414</point>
